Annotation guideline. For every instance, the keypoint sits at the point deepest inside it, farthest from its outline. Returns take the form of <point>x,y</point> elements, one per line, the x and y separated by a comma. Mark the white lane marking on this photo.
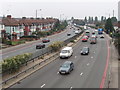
<point>57,72</point>
<point>42,85</point>
<point>75,56</point>
<point>88,64</point>
<point>71,88</point>
<point>91,57</point>
<point>94,51</point>
<point>81,74</point>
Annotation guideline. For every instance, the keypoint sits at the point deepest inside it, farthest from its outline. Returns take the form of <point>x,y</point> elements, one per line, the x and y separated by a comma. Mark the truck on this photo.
<point>100,31</point>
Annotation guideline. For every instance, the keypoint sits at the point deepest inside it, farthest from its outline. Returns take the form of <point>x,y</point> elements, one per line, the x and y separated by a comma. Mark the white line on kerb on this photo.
<point>81,74</point>
<point>42,85</point>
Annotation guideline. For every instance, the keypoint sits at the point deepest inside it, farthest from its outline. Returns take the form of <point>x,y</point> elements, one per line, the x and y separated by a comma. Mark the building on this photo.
<point>14,28</point>
<point>119,11</point>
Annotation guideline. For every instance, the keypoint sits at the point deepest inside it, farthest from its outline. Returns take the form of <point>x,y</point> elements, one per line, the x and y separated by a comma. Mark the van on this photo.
<point>93,40</point>
<point>66,52</point>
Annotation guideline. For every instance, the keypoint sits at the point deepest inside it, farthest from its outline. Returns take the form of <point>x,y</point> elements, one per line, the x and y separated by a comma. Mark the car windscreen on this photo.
<point>84,49</point>
<point>64,51</point>
<point>65,66</point>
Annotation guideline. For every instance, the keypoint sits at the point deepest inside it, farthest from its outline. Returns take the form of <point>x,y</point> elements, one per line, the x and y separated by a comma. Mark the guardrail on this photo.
<point>38,54</point>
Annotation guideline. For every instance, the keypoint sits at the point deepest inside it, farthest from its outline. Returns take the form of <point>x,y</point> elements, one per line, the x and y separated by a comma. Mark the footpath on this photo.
<point>114,66</point>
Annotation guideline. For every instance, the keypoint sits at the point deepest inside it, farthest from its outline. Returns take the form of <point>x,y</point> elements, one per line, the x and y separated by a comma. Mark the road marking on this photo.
<point>42,85</point>
<point>81,74</point>
<point>71,88</point>
<point>57,72</point>
<point>75,56</point>
<point>88,64</point>
<point>91,57</point>
<point>94,51</point>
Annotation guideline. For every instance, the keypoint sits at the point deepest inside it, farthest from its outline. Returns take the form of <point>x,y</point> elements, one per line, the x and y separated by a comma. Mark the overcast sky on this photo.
<point>57,8</point>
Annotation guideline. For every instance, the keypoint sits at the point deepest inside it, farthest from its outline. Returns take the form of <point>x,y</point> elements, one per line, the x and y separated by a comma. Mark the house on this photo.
<point>17,27</point>
<point>11,26</point>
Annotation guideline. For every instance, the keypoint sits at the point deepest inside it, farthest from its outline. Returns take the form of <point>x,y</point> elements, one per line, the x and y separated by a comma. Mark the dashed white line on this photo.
<point>57,72</point>
<point>81,74</point>
<point>75,56</point>
<point>88,64</point>
<point>91,57</point>
<point>42,85</point>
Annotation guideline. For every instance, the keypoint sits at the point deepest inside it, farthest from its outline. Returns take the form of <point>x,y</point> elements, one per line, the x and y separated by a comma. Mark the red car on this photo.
<point>45,40</point>
<point>84,39</point>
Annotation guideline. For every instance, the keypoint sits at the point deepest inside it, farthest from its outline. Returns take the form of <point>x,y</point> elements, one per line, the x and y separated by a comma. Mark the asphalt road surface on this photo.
<point>31,47</point>
<point>87,73</point>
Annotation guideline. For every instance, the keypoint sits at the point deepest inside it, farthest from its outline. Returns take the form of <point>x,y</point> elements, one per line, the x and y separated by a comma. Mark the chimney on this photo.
<point>9,16</point>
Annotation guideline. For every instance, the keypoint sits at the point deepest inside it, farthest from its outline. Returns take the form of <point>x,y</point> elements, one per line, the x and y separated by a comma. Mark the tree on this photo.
<point>85,20</point>
<point>114,19</point>
<point>96,19</point>
<point>108,26</point>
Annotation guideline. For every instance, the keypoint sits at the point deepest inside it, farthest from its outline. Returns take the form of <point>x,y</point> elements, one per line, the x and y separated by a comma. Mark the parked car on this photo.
<point>85,51</point>
<point>40,46</point>
<point>66,68</point>
<point>66,52</point>
<point>45,40</point>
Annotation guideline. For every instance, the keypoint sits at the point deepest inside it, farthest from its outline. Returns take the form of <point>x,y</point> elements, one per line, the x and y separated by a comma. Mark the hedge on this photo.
<point>13,64</point>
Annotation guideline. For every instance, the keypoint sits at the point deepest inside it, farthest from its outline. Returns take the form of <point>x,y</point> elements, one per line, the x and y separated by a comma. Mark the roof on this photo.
<point>67,48</point>
<point>67,62</point>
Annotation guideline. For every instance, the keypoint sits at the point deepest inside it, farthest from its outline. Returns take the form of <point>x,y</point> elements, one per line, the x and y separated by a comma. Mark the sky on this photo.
<point>62,9</point>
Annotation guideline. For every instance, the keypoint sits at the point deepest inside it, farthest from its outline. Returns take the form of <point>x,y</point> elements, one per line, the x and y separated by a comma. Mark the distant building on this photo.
<point>119,11</point>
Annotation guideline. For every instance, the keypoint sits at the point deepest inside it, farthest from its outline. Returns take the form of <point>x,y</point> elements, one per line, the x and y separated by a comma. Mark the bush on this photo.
<point>13,64</point>
<point>72,41</point>
<point>56,46</point>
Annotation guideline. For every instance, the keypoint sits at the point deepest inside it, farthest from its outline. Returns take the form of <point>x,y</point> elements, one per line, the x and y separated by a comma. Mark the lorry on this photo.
<point>100,31</point>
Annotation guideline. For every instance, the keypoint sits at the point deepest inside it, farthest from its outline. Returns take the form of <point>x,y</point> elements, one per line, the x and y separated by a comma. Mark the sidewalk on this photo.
<point>114,65</point>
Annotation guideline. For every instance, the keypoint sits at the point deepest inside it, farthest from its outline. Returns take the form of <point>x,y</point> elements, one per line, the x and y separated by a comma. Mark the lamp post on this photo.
<point>37,11</point>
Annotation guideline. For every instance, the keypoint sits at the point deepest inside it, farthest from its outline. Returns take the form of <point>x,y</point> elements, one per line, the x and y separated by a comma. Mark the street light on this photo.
<point>37,11</point>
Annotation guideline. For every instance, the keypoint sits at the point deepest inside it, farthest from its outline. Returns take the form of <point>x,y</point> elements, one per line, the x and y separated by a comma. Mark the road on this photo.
<point>31,47</point>
<point>88,71</point>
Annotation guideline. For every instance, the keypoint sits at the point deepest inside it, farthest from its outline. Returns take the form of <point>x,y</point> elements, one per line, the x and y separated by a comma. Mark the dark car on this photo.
<point>40,46</point>
<point>68,34</point>
<point>66,68</point>
<point>45,40</point>
<point>85,51</point>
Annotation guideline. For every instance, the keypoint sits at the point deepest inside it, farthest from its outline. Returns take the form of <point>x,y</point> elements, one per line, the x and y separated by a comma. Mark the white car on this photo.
<point>76,32</point>
<point>101,36</point>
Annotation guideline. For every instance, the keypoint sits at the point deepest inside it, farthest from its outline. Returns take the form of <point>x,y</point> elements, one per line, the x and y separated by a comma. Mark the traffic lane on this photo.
<point>51,70</point>
<point>23,45</point>
<point>31,48</point>
<point>97,70</point>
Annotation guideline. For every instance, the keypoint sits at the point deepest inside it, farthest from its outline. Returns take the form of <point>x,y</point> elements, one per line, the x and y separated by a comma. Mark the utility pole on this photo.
<point>37,12</point>
<point>113,13</point>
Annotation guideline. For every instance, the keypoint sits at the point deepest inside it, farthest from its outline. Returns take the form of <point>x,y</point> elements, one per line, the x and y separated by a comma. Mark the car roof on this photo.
<point>85,47</point>
<point>67,48</point>
<point>67,62</point>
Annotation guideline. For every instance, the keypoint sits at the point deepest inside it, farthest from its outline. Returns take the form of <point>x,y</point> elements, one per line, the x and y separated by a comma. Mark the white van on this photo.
<point>66,52</point>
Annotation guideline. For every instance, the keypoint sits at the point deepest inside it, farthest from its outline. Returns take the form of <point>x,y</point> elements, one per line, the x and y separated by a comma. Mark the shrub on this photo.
<point>72,41</point>
<point>56,45</point>
<point>13,64</point>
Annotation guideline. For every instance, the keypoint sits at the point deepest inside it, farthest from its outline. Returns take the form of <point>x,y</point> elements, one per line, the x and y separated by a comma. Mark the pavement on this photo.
<point>112,80</point>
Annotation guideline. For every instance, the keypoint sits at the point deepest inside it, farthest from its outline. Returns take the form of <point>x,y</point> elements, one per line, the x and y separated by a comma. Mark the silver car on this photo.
<point>66,68</point>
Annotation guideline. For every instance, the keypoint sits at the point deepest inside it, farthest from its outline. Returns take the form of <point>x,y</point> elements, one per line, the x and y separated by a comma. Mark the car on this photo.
<point>101,36</point>
<point>84,39</point>
<point>45,40</point>
<point>40,46</point>
<point>85,51</point>
<point>93,40</point>
<point>86,36</point>
<point>66,68</point>
<point>68,34</point>
<point>66,52</point>
<point>76,32</point>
